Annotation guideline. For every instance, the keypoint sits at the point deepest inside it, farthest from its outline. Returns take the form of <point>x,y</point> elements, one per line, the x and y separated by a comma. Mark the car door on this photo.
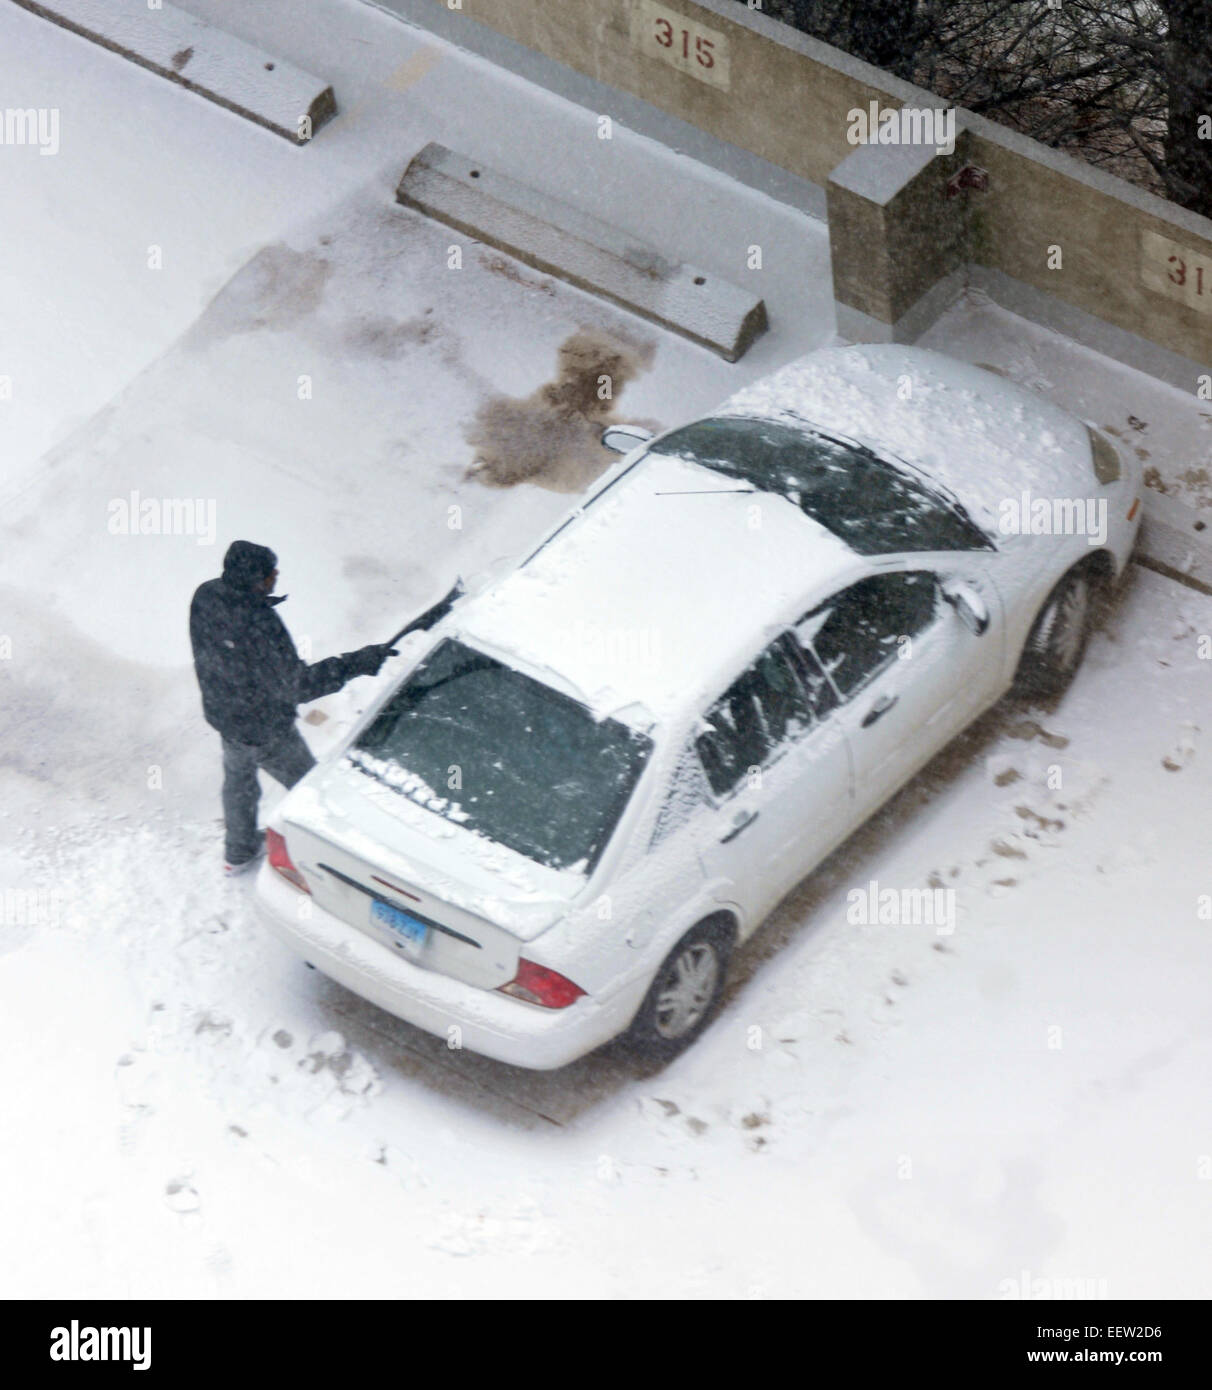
<point>778,777</point>
<point>909,671</point>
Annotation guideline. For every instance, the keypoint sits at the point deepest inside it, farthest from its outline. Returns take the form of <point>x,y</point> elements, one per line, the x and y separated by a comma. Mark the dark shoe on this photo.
<point>244,866</point>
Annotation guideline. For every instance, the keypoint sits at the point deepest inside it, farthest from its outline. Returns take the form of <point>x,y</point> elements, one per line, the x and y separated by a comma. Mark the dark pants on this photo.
<point>286,761</point>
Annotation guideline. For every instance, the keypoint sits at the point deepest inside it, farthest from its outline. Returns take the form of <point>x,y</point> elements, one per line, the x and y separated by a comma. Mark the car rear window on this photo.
<point>491,749</point>
<point>875,507</point>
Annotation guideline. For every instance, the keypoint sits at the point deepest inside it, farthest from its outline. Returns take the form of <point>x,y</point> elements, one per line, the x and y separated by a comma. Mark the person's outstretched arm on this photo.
<point>328,676</point>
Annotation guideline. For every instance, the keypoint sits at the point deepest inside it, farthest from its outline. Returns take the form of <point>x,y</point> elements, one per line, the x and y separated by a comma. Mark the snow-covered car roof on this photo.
<point>658,591</point>
<point>976,434</point>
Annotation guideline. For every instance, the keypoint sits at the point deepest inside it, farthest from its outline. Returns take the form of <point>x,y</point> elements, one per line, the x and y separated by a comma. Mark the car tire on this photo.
<point>1058,637</point>
<point>684,993</point>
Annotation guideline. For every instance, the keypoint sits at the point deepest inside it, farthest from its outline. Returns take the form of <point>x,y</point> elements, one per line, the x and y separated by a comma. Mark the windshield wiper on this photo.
<point>706,492</point>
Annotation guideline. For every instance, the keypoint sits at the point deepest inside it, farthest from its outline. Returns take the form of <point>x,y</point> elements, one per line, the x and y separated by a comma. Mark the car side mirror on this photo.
<point>972,609</point>
<point>623,438</point>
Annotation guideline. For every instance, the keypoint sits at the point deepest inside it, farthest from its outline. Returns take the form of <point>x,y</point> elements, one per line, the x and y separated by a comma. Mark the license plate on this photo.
<point>403,924</point>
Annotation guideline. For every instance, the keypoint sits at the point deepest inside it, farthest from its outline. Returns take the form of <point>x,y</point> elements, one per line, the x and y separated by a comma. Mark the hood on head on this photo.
<point>246,565</point>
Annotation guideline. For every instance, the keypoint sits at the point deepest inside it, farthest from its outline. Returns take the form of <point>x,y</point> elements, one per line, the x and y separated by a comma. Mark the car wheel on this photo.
<point>684,992</point>
<point>1059,636</point>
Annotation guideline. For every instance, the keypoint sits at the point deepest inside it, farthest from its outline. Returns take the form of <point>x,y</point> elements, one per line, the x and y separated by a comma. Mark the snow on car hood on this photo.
<point>974,433</point>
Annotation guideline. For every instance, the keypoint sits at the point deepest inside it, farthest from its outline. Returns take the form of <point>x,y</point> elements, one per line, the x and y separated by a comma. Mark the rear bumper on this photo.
<point>486,1021</point>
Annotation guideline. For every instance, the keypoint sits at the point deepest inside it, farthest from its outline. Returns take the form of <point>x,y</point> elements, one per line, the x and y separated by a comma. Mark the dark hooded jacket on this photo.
<point>250,675</point>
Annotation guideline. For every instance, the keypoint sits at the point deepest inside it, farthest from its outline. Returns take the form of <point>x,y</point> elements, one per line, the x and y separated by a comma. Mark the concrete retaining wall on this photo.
<point>786,98</point>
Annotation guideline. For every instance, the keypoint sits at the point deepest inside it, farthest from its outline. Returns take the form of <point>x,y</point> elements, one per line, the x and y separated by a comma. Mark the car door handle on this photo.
<point>743,820</point>
<point>879,709</point>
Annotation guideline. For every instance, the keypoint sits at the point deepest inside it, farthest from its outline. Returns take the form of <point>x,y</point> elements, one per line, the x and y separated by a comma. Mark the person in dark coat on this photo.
<point>252,680</point>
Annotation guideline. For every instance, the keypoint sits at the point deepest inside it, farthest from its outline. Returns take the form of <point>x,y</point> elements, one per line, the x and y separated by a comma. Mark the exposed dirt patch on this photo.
<point>1192,485</point>
<point>1045,823</point>
<point>1006,849</point>
<point>552,437</point>
<point>388,338</point>
<point>501,265</point>
<point>212,1023</point>
<point>1028,729</point>
<point>276,289</point>
<point>1198,482</point>
<point>1184,750</point>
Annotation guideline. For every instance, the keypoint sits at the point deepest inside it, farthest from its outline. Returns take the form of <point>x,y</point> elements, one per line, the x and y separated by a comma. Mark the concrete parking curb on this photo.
<point>567,243</point>
<point>1176,540</point>
<point>214,64</point>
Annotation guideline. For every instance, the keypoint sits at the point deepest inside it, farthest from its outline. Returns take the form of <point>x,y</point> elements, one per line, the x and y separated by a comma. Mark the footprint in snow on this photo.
<point>1184,749</point>
<point>1027,730</point>
<point>181,1196</point>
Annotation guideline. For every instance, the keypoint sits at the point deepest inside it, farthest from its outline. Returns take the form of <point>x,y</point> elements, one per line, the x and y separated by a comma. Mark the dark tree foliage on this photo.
<point>1125,84</point>
<point>1188,65</point>
<point>882,32</point>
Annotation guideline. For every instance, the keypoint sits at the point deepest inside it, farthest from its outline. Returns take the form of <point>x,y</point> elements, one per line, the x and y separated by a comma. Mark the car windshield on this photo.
<point>876,508</point>
<point>489,748</point>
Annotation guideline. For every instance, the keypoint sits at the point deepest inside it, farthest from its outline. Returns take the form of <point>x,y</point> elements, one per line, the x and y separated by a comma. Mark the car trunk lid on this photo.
<point>439,894</point>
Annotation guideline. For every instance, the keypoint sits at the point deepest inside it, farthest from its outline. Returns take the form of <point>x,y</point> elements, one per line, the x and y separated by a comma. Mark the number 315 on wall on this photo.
<point>686,45</point>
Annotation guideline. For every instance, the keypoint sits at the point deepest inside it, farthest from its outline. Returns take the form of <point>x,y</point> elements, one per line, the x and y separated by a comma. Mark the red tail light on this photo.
<point>275,847</point>
<point>538,985</point>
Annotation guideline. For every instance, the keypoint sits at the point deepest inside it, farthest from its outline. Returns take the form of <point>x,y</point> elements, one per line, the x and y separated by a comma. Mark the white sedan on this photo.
<point>605,768</point>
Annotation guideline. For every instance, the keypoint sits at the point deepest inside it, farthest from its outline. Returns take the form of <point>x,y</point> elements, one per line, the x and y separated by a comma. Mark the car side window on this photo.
<point>767,705</point>
<point>820,691</point>
<point>856,634</point>
<point>687,790</point>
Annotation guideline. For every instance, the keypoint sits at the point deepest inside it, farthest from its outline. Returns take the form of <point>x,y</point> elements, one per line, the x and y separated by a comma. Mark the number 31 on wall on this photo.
<point>1179,272</point>
<point>690,47</point>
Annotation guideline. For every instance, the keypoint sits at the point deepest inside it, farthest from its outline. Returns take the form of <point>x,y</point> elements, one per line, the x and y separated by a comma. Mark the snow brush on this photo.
<point>431,615</point>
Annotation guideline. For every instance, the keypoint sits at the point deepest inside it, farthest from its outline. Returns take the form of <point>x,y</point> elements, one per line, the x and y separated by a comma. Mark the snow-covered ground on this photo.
<point>879,1110</point>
